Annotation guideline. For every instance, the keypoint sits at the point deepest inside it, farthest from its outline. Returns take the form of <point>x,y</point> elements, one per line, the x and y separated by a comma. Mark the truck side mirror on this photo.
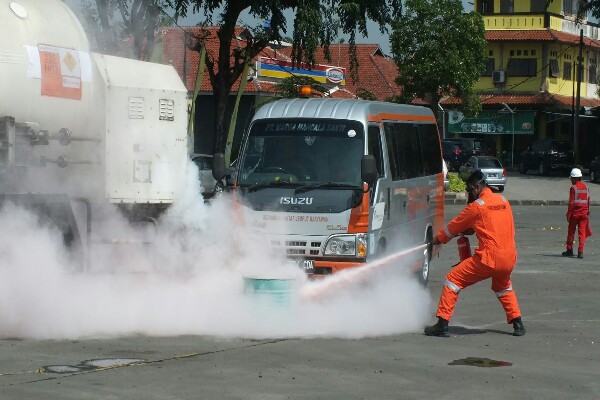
<point>218,166</point>
<point>368,169</point>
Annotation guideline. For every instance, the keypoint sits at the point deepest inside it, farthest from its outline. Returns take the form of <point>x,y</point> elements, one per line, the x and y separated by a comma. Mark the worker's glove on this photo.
<point>568,219</point>
<point>436,241</point>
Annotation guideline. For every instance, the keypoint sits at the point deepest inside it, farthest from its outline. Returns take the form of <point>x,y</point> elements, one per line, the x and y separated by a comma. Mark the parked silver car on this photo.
<point>495,174</point>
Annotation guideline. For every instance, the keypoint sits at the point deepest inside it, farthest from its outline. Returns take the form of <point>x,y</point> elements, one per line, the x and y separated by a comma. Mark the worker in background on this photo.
<point>490,217</point>
<point>578,214</point>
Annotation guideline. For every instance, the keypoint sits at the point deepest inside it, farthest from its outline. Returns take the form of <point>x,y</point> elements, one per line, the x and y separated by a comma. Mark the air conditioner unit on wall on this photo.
<point>498,77</point>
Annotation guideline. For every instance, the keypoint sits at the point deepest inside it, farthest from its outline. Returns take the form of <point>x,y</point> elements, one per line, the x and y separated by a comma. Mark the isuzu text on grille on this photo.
<point>296,200</point>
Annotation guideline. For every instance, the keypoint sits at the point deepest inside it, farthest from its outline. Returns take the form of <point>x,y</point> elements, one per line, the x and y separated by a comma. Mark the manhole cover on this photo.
<point>111,362</point>
<point>61,369</point>
<point>480,362</point>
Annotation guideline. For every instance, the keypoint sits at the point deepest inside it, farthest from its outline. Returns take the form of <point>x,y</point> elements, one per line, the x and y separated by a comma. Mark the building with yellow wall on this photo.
<point>528,88</point>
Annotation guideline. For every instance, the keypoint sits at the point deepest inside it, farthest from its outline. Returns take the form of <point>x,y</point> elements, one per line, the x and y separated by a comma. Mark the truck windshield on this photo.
<point>299,152</point>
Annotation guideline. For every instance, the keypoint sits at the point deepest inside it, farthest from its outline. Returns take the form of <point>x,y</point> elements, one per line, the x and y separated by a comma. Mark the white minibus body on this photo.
<point>299,182</point>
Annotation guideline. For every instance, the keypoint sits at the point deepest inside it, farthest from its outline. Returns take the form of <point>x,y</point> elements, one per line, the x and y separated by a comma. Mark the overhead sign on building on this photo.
<point>274,68</point>
<point>493,123</point>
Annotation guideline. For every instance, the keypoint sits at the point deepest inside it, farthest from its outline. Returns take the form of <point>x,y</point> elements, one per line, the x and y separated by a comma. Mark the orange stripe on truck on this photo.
<point>359,216</point>
<point>400,117</point>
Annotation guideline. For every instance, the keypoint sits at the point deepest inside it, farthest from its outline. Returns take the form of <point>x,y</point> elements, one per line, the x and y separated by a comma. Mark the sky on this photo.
<point>375,36</point>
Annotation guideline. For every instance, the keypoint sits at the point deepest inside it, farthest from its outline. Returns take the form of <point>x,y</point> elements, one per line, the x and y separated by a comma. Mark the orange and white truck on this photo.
<point>339,183</point>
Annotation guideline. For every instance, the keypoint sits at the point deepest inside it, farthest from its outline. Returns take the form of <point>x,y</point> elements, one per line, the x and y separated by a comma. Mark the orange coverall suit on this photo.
<point>492,219</point>
<point>577,214</point>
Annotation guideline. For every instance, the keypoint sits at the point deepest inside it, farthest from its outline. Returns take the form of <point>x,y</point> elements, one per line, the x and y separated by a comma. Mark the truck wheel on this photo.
<point>522,168</point>
<point>424,273</point>
<point>427,253</point>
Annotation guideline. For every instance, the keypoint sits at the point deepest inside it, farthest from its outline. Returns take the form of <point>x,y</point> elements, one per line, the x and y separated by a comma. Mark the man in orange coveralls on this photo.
<point>490,217</point>
<point>578,214</point>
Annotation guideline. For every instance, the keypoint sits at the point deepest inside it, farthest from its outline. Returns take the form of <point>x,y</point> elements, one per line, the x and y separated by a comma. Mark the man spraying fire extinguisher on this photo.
<point>578,214</point>
<point>490,217</point>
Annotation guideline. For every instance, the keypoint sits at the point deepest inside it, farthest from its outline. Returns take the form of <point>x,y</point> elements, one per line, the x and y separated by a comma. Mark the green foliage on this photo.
<point>456,184</point>
<point>138,19</point>
<point>289,87</point>
<point>364,94</point>
<point>316,23</point>
<point>440,51</point>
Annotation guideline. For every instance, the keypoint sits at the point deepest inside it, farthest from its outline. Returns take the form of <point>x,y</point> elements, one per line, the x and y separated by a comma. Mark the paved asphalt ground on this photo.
<point>533,189</point>
<point>558,358</point>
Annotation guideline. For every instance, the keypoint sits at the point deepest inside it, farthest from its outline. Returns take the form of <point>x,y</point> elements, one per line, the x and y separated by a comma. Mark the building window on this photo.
<point>489,67</point>
<point>570,7</point>
<point>592,72</point>
<point>554,70</point>
<point>491,53</point>
<point>567,73</point>
<point>507,6</point>
<point>518,52</point>
<point>486,7</point>
<point>512,53</point>
<point>538,5</point>
<point>522,67</point>
<point>533,52</point>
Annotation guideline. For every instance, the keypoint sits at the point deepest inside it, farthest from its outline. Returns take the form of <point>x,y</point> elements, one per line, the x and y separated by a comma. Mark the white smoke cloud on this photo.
<point>185,278</point>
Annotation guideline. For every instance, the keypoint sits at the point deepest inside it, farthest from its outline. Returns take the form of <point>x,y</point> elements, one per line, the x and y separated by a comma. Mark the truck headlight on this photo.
<point>346,245</point>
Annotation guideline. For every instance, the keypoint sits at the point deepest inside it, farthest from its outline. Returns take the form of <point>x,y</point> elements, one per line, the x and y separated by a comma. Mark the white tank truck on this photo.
<point>81,130</point>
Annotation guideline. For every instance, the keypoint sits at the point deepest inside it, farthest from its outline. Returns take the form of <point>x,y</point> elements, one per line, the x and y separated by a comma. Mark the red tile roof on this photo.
<point>537,99</point>
<point>537,35</point>
<point>584,101</point>
<point>376,71</point>
<point>569,38</point>
<point>541,98</point>
<point>518,35</point>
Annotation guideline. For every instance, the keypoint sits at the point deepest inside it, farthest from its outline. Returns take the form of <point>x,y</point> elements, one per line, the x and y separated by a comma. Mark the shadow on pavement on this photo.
<point>463,331</point>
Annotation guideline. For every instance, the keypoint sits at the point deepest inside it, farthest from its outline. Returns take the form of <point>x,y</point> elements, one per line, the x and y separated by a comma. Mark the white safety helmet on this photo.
<point>575,173</point>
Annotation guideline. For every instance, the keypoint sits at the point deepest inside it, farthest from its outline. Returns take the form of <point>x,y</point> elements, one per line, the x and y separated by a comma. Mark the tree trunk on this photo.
<point>220,97</point>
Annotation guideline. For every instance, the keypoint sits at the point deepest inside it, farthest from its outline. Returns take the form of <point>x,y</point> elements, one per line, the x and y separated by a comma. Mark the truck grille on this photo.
<point>297,247</point>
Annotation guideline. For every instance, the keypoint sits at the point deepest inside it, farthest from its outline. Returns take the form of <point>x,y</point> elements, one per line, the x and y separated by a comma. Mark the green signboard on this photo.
<point>493,123</point>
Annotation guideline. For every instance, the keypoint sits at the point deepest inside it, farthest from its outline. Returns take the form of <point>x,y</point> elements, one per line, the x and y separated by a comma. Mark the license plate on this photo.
<point>492,175</point>
<point>308,266</point>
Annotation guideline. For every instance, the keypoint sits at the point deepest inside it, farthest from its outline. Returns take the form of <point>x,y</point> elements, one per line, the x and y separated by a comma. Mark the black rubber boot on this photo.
<point>568,253</point>
<point>518,327</point>
<point>580,254</point>
<point>439,329</point>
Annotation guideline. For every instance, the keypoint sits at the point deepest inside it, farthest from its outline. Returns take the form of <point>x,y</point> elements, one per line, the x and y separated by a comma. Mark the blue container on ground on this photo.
<point>278,292</point>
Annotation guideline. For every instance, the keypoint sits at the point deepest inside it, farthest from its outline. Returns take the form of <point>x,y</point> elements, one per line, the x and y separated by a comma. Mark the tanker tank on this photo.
<point>81,126</point>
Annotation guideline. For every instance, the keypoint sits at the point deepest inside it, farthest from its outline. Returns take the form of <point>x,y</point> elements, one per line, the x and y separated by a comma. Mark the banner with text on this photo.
<point>493,123</point>
<point>273,68</point>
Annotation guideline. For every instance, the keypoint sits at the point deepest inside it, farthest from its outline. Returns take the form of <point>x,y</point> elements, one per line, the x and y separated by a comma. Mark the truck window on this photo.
<point>375,148</point>
<point>409,146</point>
<point>394,156</point>
<point>301,151</point>
<point>403,150</point>
<point>430,149</point>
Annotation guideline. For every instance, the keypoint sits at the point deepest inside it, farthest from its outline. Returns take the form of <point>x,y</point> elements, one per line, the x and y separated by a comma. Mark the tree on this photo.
<point>138,19</point>
<point>316,24</point>
<point>288,88</point>
<point>440,51</point>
